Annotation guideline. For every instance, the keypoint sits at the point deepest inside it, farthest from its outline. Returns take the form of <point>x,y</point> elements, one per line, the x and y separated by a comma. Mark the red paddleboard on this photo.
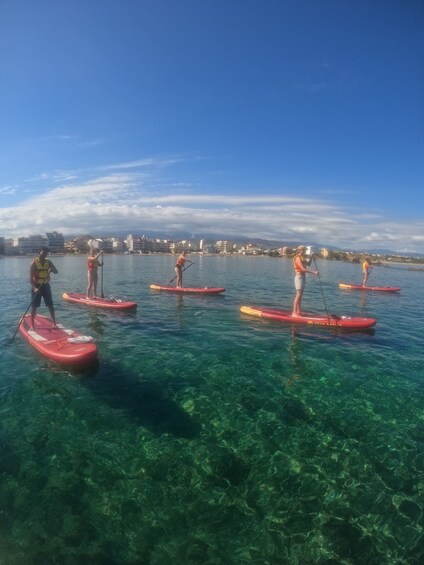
<point>378,288</point>
<point>59,344</point>
<point>115,303</point>
<point>331,321</point>
<point>188,290</point>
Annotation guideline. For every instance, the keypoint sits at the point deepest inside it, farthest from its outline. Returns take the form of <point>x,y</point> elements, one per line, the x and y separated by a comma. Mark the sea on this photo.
<point>205,436</point>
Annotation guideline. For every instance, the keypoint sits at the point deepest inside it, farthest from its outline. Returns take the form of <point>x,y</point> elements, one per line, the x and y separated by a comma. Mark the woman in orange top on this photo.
<point>366,270</point>
<point>93,264</point>
<point>179,268</point>
<point>300,265</point>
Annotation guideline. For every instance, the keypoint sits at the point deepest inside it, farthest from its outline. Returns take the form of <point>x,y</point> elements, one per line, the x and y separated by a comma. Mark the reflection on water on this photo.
<point>206,437</point>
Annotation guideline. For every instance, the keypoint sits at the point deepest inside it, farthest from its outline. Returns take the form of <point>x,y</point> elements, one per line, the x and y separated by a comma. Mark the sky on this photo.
<point>297,121</point>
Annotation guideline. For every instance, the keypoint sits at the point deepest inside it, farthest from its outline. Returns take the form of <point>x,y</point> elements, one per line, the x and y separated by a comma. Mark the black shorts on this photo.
<point>46,292</point>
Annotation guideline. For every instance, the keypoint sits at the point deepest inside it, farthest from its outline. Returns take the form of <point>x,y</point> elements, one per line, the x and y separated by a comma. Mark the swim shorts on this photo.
<point>299,281</point>
<point>46,292</point>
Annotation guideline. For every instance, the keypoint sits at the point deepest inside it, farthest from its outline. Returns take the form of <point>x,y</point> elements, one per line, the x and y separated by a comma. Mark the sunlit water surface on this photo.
<point>206,436</point>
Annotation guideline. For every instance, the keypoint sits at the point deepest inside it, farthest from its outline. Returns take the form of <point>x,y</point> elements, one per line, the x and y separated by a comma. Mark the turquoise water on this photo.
<point>206,436</point>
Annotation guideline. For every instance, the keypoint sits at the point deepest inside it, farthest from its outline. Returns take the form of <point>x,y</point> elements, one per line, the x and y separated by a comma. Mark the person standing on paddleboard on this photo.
<point>179,267</point>
<point>93,264</point>
<point>366,270</point>
<point>39,274</point>
<point>300,264</point>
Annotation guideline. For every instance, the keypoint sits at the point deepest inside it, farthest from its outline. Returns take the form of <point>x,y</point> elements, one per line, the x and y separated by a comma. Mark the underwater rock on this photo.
<point>349,541</point>
<point>411,509</point>
<point>232,468</point>
<point>298,409</point>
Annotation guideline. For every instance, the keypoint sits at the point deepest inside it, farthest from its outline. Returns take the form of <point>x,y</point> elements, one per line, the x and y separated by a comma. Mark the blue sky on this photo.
<point>291,120</point>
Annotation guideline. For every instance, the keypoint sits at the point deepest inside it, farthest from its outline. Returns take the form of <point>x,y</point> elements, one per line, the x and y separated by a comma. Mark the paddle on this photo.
<point>30,304</point>
<point>322,290</point>
<point>101,279</point>
<point>185,269</point>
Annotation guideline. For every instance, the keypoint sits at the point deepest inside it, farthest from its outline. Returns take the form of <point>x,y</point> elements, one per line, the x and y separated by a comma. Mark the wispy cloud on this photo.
<point>128,199</point>
<point>76,139</point>
<point>54,176</point>
<point>7,190</point>
<point>63,137</point>
<point>92,143</point>
<point>143,163</point>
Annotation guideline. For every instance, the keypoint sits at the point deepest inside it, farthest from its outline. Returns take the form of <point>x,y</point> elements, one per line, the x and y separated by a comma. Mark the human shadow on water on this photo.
<point>96,323</point>
<point>147,403</point>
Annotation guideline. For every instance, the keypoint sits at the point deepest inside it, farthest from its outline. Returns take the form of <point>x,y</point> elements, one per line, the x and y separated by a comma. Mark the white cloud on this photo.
<point>126,201</point>
<point>7,190</point>
<point>143,163</point>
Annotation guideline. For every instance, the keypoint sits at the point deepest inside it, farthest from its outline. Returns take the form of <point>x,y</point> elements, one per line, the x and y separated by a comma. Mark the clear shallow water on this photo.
<point>206,436</point>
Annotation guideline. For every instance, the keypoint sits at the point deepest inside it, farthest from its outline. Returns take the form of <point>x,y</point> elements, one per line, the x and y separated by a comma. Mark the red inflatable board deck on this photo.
<point>188,290</point>
<point>59,344</point>
<point>331,321</point>
<point>378,288</point>
<point>114,303</point>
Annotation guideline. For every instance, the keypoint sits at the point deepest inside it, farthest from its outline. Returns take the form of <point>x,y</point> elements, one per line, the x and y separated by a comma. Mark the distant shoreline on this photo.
<point>412,264</point>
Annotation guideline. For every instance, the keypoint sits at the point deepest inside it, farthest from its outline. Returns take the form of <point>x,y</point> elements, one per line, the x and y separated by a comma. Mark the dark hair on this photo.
<point>45,249</point>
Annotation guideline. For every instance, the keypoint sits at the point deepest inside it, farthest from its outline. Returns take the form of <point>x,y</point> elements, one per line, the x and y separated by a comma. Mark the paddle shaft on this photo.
<point>30,304</point>
<point>322,291</point>
<point>101,278</point>
<point>185,269</point>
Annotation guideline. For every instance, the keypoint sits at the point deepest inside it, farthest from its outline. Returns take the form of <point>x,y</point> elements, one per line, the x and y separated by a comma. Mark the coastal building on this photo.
<point>105,244</point>
<point>56,242</point>
<point>173,247</point>
<point>191,246</point>
<point>10,246</point>
<point>312,250</point>
<point>225,246</point>
<point>285,251</point>
<point>145,245</point>
<point>133,243</point>
<point>208,248</point>
<point>31,244</point>
<point>253,249</point>
<point>161,246</point>
<point>118,246</point>
<point>77,245</point>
